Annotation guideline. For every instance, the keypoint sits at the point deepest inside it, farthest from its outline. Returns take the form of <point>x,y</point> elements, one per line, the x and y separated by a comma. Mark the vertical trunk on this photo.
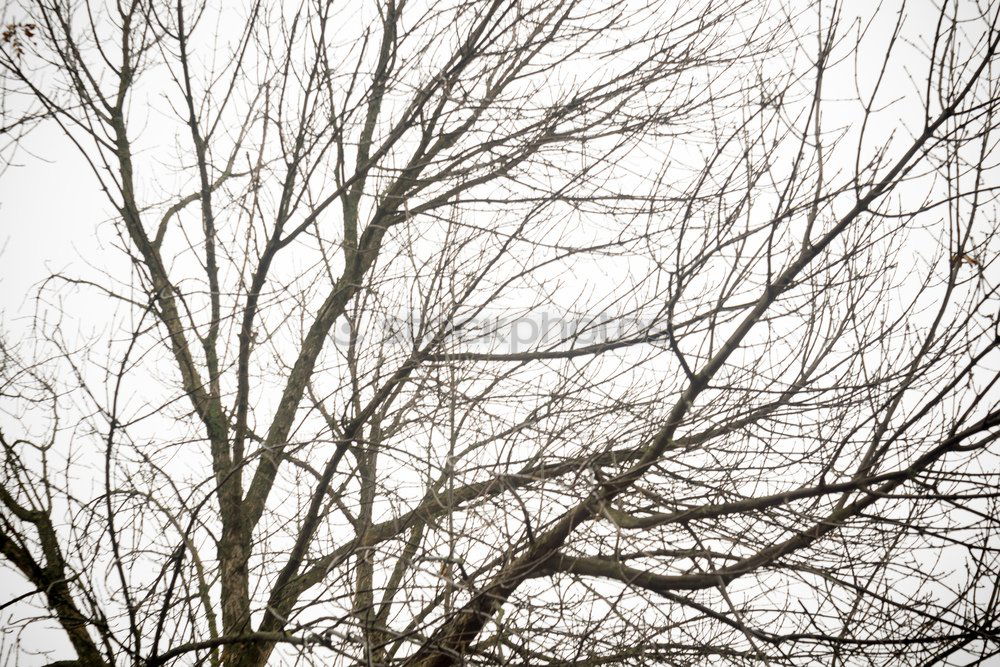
<point>233,555</point>
<point>364,600</point>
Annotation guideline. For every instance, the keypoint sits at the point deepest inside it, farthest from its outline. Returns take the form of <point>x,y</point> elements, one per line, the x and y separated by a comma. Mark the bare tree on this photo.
<point>548,332</point>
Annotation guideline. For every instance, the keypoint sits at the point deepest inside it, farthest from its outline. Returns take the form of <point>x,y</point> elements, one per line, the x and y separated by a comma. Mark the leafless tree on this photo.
<point>548,332</point>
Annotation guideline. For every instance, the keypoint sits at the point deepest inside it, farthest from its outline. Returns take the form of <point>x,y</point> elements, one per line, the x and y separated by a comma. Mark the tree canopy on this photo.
<point>495,332</point>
